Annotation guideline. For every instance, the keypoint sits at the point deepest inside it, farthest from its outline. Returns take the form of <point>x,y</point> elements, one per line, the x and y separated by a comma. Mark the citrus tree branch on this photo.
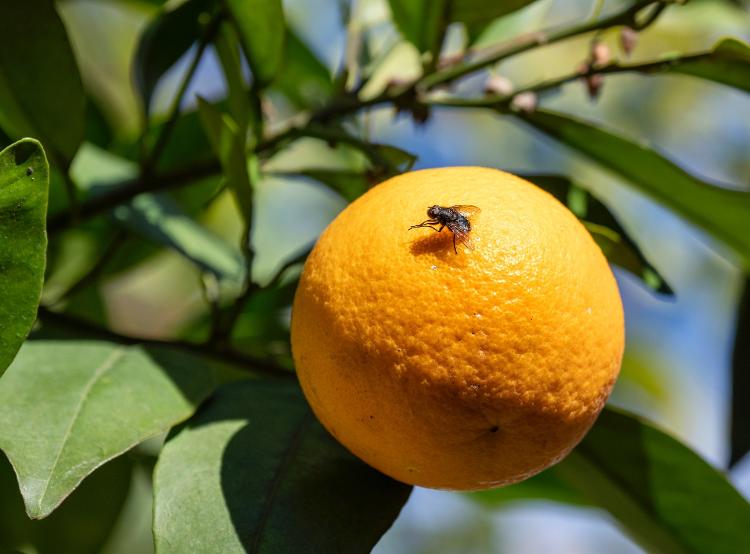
<point>502,102</point>
<point>237,359</point>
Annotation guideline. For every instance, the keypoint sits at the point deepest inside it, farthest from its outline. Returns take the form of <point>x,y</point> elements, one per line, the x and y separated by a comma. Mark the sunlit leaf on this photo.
<point>231,63</point>
<point>166,39</point>
<point>727,63</point>
<point>741,380</point>
<point>41,94</point>
<point>260,24</point>
<point>85,402</point>
<point>24,176</point>
<point>664,494</point>
<point>254,472</point>
<point>721,212</point>
<point>228,142</point>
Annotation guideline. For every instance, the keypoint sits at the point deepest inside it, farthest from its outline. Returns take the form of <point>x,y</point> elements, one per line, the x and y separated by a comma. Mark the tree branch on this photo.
<point>246,362</point>
<point>503,102</point>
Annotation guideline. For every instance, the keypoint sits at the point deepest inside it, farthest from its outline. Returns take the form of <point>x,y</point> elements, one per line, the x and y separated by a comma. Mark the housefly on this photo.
<point>456,218</point>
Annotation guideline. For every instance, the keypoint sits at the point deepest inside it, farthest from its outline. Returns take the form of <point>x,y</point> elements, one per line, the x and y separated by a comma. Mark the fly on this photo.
<point>456,218</point>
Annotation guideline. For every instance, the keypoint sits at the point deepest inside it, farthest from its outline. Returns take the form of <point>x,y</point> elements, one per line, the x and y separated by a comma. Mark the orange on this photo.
<point>457,371</point>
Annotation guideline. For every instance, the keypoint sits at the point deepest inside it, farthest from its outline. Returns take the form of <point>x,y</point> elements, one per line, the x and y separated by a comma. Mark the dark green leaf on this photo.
<point>614,241</point>
<point>349,184</point>
<point>270,480</point>
<point>187,145</point>
<point>159,218</point>
<point>41,93</point>
<point>482,11</point>
<point>24,177</point>
<point>81,526</point>
<point>741,379</point>
<point>719,211</point>
<point>728,63</point>
<point>422,22</point>
<point>229,142</point>
<point>260,24</point>
<point>304,80</point>
<point>98,129</point>
<point>165,40</point>
<point>395,159</point>
<point>664,494</point>
<point>85,402</point>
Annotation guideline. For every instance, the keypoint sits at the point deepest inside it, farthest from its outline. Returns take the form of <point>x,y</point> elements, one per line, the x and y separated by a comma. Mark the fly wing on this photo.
<point>462,237</point>
<point>466,210</point>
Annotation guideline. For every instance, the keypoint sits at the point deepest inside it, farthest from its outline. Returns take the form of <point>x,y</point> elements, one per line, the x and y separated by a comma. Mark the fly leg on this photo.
<point>428,223</point>
<point>454,244</point>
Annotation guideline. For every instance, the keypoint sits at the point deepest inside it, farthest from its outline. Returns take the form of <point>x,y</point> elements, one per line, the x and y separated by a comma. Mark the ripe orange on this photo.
<point>457,371</point>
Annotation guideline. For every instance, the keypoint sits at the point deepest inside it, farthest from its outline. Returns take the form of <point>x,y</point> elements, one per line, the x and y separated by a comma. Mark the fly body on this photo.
<point>455,218</point>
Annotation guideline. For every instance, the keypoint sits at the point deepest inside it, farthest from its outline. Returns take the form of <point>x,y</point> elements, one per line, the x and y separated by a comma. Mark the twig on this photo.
<point>502,102</point>
<point>245,361</point>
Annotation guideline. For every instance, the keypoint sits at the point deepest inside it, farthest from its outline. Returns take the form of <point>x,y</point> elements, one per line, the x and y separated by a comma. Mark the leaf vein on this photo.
<point>107,364</point>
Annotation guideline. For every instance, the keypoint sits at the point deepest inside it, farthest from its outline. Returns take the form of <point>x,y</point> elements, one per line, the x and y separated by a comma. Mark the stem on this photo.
<point>246,362</point>
<point>129,190</point>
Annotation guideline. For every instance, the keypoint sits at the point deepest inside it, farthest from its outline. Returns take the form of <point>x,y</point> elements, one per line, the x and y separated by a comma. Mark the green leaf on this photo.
<point>482,11</point>
<point>187,145</point>
<point>422,22</point>
<point>85,402</point>
<point>727,63</point>
<point>719,211</point>
<point>270,479</point>
<point>228,142</point>
<point>231,62</point>
<point>349,184</point>
<point>741,379</point>
<point>547,485</point>
<point>304,80</point>
<point>393,158</point>
<point>159,218</point>
<point>82,525</point>
<point>41,93</point>
<point>260,24</point>
<point>664,494</point>
<point>166,39</point>
<point>24,181</point>
<point>611,237</point>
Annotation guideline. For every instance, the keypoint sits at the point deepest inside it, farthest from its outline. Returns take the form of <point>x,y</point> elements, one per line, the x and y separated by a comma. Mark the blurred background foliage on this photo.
<point>681,289</point>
